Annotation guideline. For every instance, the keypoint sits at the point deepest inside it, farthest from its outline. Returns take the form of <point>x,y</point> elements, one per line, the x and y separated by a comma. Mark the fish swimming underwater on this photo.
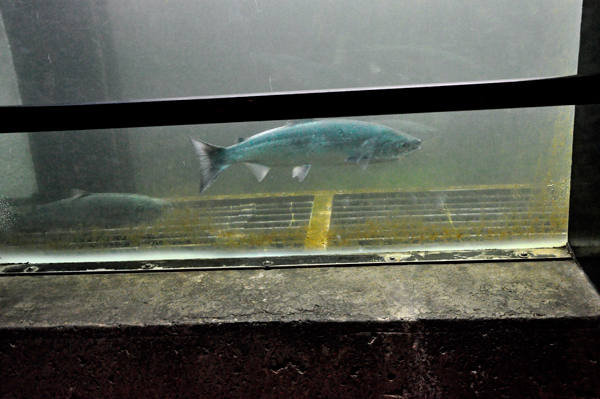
<point>304,143</point>
<point>83,209</point>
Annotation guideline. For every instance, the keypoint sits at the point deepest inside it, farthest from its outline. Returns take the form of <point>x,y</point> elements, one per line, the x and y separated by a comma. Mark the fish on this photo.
<point>304,143</point>
<point>83,210</point>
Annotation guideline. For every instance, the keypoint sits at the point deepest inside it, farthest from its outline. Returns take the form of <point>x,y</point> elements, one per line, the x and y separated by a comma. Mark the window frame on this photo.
<point>397,100</point>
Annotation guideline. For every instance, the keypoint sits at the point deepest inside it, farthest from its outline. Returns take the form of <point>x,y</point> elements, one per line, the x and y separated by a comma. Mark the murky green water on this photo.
<point>485,179</point>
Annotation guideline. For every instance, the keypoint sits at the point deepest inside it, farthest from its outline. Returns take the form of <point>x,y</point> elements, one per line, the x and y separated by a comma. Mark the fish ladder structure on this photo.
<point>330,221</point>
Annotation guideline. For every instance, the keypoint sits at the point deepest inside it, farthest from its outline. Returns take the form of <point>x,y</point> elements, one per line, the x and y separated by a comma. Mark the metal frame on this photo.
<point>390,100</point>
<point>544,92</point>
<point>293,261</point>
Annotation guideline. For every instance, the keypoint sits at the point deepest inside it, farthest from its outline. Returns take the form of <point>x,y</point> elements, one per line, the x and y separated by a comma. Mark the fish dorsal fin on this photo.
<point>300,172</point>
<point>260,171</point>
<point>239,140</point>
<point>77,193</point>
<point>299,122</point>
<point>212,162</point>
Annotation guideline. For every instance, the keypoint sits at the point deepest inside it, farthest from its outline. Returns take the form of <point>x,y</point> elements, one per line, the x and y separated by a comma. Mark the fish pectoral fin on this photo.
<point>300,172</point>
<point>260,171</point>
<point>363,161</point>
<point>370,143</point>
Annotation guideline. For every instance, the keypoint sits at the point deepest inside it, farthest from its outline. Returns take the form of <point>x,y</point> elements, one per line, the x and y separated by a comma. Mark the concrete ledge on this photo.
<point>537,289</point>
<point>505,330</point>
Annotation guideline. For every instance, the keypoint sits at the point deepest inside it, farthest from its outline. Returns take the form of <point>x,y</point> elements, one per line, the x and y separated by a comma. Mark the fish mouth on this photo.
<point>415,145</point>
<point>409,152</point>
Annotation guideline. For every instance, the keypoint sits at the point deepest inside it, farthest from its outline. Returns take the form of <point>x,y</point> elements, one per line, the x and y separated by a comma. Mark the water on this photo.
<point>247,46</point>
<point>485,179</point>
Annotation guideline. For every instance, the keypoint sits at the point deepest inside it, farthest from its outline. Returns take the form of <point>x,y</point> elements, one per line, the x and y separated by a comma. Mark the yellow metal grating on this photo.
<point>403,218</point>
<point>335,220</point>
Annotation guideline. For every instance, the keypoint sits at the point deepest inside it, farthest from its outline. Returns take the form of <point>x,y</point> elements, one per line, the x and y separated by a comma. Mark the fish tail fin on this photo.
<point>212,161</point>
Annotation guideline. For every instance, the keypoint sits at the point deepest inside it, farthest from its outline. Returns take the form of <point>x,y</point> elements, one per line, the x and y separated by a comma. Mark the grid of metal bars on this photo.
<point>328,220</point>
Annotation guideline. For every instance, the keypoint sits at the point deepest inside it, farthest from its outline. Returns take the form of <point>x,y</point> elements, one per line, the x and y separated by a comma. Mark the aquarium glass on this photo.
<point>437,181</point>
<point>129,49</point>
<point>487,179</point>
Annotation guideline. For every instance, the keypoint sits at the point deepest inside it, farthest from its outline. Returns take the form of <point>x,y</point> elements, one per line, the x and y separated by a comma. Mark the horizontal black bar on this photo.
<point>568,90</point>
<point>290,261</point>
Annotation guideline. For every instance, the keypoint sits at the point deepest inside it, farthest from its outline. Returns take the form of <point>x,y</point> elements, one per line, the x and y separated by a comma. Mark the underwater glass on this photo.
<point>438,181</point>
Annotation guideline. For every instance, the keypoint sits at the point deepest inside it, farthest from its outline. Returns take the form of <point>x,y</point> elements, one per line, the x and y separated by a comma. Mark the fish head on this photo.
<point>150,209</point>
<point>407,145</point>
<point>396,144</point>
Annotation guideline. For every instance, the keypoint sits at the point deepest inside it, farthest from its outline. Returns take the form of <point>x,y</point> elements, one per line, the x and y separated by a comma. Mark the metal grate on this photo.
<point>374,219</point>
<point>279,221</point>
<point>331,220</point>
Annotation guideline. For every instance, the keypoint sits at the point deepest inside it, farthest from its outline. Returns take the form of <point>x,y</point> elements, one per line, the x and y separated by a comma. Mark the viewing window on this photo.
<point>445,181</point>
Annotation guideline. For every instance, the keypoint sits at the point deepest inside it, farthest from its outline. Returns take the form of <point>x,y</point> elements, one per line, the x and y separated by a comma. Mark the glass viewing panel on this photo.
<point>129,49</point>
<point>457,180</point>
<point>485,179</point>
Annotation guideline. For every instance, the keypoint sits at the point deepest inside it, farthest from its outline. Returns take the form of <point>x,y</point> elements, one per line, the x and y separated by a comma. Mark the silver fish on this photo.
<point>83,209</point>
<point>304,143</point>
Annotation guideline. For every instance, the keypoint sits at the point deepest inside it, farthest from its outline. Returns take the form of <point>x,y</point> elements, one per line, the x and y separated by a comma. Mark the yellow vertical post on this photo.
<point>316,236</point>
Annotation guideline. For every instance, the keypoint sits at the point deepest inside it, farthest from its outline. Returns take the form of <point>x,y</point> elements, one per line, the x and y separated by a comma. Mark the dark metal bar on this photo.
<point>569,90</point>
<point>584,212</point>
<point>289,261</point>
